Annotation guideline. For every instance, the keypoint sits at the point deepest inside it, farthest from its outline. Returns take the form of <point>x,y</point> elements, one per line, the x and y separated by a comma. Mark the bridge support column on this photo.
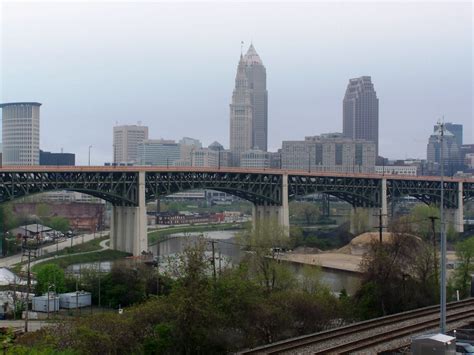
<point>281,214</point>
<point>366,219</point>
<point>128,230</point>
<point>455,216</point>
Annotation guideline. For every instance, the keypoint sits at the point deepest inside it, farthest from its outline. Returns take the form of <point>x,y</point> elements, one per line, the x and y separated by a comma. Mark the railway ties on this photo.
<point>365,337</point>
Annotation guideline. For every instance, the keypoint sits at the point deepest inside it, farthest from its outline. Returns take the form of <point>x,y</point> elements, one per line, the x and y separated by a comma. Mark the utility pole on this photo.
<point>29,250</point>
<point>90,155</point>
<point>213,242</point>
<point>435,258</point>
<point>380,227</point>
<point>443,237</point>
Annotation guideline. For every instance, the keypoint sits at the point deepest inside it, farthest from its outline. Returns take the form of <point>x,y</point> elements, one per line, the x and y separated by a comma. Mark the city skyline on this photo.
<point>306,84</point>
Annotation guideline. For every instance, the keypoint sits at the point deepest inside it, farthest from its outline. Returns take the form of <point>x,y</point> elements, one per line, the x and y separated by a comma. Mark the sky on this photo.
<point>172,65</point>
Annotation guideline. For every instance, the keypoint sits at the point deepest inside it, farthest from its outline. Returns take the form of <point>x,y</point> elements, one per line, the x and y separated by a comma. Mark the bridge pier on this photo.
<point>455,216</point>
<point>367,218</point>
<point>128,227</point>
<point>281,214</point>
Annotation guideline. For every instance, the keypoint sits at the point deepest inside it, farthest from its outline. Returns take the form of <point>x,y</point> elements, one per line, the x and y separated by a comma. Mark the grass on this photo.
<point>81,248</point>
<point>64,262</point>
<point>158,235</point>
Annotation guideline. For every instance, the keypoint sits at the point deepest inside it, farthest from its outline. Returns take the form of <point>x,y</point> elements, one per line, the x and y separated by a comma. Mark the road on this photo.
<point>79,239</point>
<point>33,325</point>
<point>103,245</point>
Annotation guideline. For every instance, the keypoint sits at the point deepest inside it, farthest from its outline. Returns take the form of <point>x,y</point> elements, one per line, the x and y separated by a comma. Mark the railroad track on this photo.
<point>457,312</point>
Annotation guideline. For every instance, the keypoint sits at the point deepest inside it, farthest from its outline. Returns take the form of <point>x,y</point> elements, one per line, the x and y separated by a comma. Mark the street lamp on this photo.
<point>90,155</point>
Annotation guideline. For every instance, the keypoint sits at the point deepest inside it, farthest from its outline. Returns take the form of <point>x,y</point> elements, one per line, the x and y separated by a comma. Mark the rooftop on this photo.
<point>20,104</point>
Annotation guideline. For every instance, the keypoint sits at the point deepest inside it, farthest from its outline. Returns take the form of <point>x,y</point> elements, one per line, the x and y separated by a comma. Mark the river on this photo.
<point>228,247</point>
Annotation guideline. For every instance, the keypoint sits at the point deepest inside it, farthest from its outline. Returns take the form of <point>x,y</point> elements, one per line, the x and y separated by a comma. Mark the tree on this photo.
<point>265,239</point>
<point>462,274</point>
<point>50,275</point>
<point>42,211</point>
<point>360,221</point>
<point>306,211</point>
<point>58,223</point>
<point>398,275</point>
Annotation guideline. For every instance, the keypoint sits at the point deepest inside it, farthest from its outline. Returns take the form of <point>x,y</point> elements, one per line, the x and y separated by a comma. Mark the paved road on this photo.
<point>33,325</point>
<point>103,245</point>
<point>79,239</point>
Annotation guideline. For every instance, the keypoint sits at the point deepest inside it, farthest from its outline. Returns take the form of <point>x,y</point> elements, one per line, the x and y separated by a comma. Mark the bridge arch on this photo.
<point>260,189</point>
<point>119,188</point>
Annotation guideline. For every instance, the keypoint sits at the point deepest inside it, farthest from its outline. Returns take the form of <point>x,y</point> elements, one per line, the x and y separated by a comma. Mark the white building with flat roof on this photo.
<point>20,133</point>
<point>126,141</point>
<point>408,170</point>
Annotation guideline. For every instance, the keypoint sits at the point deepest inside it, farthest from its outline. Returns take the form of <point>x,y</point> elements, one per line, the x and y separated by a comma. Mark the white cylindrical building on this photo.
<point>20,133</point>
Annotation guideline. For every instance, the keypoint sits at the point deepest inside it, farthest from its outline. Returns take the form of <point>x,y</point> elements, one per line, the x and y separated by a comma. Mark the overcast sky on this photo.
<point>172,66</point>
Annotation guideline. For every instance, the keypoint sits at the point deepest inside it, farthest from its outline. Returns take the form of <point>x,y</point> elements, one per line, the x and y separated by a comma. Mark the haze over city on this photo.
<point>172,67</point>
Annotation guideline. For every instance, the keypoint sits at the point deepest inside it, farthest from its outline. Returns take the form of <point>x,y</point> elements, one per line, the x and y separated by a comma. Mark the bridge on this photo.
<point>129,188</point>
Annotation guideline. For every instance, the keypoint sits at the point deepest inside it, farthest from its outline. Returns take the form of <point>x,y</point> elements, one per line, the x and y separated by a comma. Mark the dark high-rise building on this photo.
<point>361,111</point>
<point>59,159</point>
<point>455,129</point>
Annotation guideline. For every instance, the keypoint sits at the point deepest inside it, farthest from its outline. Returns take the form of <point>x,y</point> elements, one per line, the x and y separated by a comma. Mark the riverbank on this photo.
<point>328,260</point>
<point>157,235</point>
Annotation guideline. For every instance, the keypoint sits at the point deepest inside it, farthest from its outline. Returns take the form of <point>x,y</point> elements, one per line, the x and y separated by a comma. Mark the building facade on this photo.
<point>126,141</point>
<point>187,145</point>
<point>21,133</point>
<point>409,170</point>
<point>455,129</point>
<point>255,159</point>
<point>158,152</point>
<point>329,152</point>
<point>58,159</point>
<point>361,111</point>
<point>249,107</point>
<point>451,151</point>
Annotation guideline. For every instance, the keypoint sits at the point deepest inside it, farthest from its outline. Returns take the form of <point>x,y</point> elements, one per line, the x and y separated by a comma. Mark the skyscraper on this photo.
<point>257,81</point>
<point>241,115</point>
<point>249,107</point>
<point>361,111</point>
<point>454,128</point>
<point>126,141</point>
<point>20,133</point>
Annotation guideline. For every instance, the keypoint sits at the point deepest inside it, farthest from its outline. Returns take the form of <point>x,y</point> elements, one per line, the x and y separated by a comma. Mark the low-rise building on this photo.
<point>158,152</point>
<point>255,159</point>
<point>410,170</point>
<point>329,152</point>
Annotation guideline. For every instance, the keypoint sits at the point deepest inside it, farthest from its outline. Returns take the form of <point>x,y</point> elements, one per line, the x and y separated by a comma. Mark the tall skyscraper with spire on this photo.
<point>249,107</point>
<point>361,111</point>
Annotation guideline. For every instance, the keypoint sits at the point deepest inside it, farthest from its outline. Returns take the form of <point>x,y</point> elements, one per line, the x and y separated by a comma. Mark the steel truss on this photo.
<point>259,188</point>
<point>359,192</point>
<point>119,188</point>
<point>428,192</point>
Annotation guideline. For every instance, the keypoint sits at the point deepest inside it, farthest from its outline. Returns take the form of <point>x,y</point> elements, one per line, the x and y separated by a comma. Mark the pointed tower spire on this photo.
<point>252,57</point>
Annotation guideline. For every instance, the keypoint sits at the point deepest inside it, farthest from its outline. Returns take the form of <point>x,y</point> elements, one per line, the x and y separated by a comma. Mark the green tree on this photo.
<point>42,211</point>
<point>360,221</point>
<point>58,223</point>
<point>50,275</point>
<point>462,274</point>
<point>304,211</point>
<point>266,239</point>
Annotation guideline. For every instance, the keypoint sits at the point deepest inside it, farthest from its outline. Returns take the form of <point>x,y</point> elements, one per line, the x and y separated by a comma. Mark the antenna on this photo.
<point>241,47</point>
